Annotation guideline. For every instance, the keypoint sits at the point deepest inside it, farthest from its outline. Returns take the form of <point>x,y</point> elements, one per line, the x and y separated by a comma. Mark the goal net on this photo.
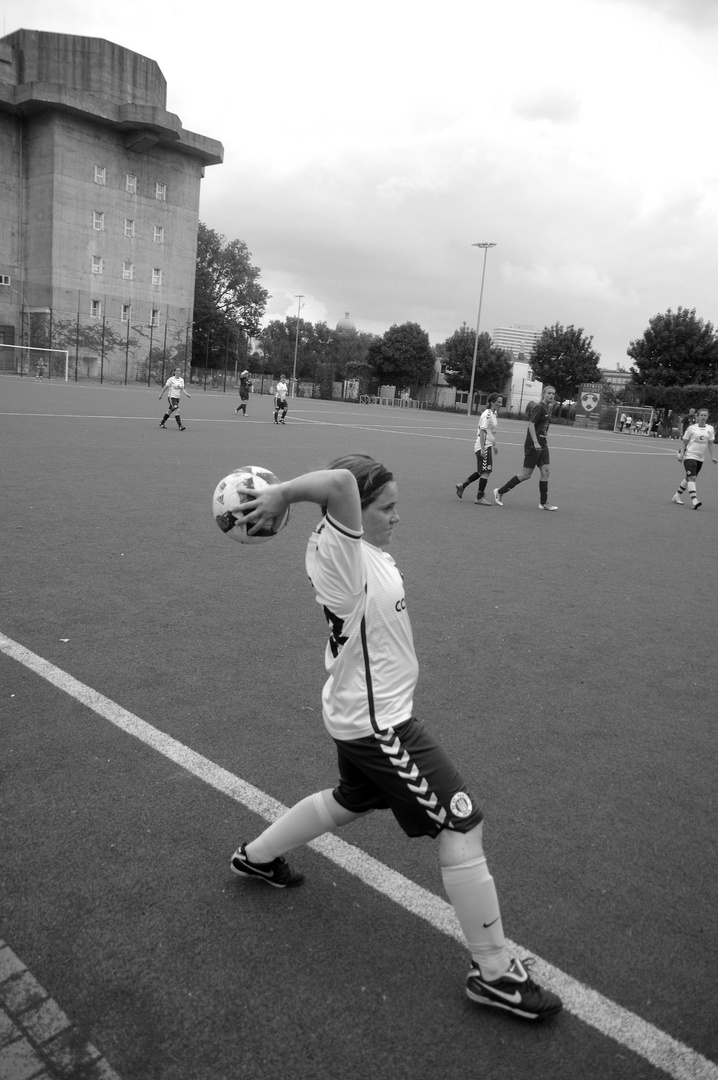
<point>40,363</point>
<point>634,419</point>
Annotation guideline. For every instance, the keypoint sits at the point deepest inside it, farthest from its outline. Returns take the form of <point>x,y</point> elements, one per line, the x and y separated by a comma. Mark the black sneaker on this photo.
<point>161,425</point>
<point>515,991</point>
<point>697,505</point>
<point>460,490</point>
<point>277,873</point>
<point>183,428</point>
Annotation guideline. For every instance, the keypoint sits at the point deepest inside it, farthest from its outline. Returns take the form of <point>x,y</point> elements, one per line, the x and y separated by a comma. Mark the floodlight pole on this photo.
<point>485,245</point>
<point>300,297</point>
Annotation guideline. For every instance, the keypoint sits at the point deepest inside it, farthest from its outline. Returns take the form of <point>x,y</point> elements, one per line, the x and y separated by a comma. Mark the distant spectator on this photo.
<point>688,419</point>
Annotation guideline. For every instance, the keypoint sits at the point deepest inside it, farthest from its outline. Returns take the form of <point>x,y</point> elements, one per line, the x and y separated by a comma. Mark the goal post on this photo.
<point>32,360</point>
<point>641,419</point>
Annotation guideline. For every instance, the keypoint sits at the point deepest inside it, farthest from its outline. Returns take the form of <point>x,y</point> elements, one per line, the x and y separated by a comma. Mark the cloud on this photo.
<point>560,106</point>
<point>697,13</point>
<point>569,279</point>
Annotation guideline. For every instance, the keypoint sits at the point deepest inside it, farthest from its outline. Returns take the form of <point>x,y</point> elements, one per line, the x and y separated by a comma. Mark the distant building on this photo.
<point>99,199</point>
<point>519,339</point>
<point>520,387</point>
<point>617,379</point>
<point>346,325</point>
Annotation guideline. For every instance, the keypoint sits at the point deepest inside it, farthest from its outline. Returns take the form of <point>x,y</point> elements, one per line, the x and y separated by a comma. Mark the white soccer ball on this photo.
<point>227,504</point>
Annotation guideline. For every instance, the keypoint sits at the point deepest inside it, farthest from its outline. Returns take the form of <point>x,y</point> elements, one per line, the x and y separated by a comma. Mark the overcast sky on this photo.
<point>368,145</point>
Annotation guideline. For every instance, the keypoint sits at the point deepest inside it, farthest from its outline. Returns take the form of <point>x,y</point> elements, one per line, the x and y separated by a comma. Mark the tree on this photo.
<point>564,357</point>
<point>229,302</point>
<point>403,357</point>
<point>677,349</point>
<point>493,365</point>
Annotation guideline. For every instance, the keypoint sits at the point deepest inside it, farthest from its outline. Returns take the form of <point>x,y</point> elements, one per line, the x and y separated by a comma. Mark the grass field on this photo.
<point>567,663</point>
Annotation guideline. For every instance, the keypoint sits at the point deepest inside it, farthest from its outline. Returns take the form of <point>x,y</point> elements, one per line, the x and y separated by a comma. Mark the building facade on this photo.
<point>99,203</point>
<point>520,389</point>
<point>519,339</point>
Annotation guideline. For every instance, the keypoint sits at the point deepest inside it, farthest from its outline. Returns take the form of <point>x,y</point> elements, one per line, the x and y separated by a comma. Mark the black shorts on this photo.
<point>406,771</point>
<point>692,466</point>
<point>281,404</point>
<point>485,461</point>
<point>534,458</point>
<point>172,404</point>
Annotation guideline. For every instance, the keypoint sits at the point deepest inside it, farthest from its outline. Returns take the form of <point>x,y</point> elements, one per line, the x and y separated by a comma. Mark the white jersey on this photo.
<point>697,440</point>
<point>173,386</point>
<point>370,655</point>
<point>281,391</point>
<point>488,422</point>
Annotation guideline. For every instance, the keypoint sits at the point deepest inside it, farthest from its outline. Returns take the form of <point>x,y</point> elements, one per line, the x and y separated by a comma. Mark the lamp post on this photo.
<point>300,297</point>
<point>485,245</point>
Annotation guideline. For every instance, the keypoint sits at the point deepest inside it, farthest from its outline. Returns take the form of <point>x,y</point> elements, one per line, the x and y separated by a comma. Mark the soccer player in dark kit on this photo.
<point>535,451</point>
<point>387,759</point>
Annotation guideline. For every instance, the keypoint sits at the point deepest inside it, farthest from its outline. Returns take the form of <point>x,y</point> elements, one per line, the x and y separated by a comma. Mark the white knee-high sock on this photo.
<point>471,890</point>
<point>305,821</point>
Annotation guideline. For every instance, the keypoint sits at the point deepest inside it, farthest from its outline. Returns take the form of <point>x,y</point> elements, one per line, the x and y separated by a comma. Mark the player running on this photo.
<point>696,439</point>
<point>174,387</point>
<point>386,758</point>
<point>280,400</point>
<point>535,451</point>
<point>485,447</point>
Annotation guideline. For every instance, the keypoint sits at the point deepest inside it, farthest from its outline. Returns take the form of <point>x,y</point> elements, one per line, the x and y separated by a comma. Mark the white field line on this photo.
<point>676,1059</point>
<point>354,427</point>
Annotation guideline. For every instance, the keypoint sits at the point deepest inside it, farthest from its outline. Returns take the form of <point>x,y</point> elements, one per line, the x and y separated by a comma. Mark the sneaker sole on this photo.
<point>479,999</point>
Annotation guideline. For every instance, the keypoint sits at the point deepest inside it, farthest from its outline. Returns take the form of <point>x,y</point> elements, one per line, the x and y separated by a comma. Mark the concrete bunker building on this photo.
<point>99,201</point>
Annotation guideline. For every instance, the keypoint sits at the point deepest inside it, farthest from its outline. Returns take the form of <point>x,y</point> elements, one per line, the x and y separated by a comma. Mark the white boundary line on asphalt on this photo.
<point>626,1028</point>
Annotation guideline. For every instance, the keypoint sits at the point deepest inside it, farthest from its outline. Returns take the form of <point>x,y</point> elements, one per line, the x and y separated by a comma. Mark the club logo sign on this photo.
<point>589,399</point>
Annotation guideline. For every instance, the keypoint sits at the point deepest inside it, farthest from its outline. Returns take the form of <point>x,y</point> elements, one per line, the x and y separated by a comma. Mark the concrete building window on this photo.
<point>95,309</point>
<point>98,221</point>
<point>131,184</point>
<point>128,271</point>
<point>161,192</point>
<point>5,280</point>
<point>100,174</point>
<point>96,264</point>
<point>156,276</point>
<point>155,317</point>
<point>129,227</point>
<point>159,234</point>
<point>125,313</point>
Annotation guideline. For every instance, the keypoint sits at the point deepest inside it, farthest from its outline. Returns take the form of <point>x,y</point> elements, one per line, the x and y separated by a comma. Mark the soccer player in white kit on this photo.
<point>386,757</point>
<point>485,447</point>
<point>696,439</point>
<point>280,400</point>
<point>174,387</point>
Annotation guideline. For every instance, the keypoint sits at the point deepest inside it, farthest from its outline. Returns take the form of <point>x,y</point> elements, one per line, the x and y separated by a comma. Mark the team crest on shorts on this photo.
<point>461,805</point>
